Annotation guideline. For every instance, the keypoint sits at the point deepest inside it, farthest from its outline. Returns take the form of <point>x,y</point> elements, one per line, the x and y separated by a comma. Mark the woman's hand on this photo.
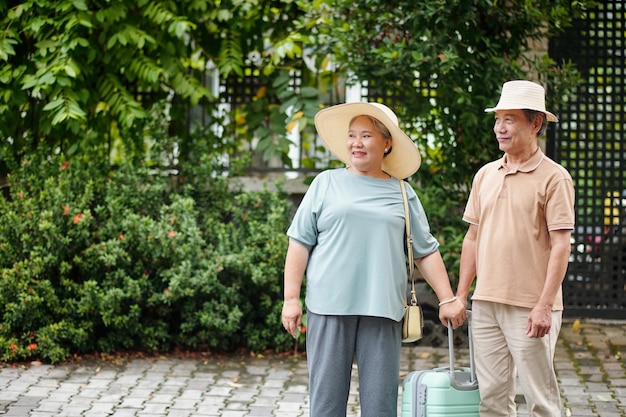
<point>292,316</point>
<point>453,311</point>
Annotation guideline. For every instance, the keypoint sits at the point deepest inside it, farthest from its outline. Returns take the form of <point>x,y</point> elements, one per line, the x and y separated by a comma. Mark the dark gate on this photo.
<point>589,142</point>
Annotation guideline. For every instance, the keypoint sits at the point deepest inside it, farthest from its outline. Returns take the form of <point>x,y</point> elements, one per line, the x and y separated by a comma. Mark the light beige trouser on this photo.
<point>502,351</point>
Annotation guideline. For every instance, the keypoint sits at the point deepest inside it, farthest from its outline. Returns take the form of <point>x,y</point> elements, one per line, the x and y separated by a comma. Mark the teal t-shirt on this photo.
<point>354,226</point>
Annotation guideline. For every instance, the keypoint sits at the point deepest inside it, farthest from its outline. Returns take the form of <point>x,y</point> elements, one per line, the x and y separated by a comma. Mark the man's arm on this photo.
<point>540,318</point>
<point>467,270</point>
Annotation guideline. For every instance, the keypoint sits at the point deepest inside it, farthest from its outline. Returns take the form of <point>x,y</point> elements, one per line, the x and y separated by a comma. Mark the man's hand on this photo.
<point>539,322</point>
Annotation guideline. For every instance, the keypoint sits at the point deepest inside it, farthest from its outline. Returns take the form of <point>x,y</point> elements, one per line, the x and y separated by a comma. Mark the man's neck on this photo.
<point>513,162</point>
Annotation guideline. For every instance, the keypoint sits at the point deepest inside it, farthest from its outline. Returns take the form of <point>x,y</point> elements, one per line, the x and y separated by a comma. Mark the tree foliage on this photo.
<point>443,62</point>
<point>79,73</point>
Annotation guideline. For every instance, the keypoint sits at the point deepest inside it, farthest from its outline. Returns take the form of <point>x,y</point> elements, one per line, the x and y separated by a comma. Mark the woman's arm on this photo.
<point>295,267</point>
<point>434,271</point>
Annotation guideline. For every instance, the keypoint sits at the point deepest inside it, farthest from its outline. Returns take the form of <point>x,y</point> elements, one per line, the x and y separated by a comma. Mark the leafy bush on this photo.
<point>101,259</point>
<point>444,205</point>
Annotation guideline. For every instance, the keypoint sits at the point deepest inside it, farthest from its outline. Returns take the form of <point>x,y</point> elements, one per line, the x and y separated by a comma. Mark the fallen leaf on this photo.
<point>604,398</point>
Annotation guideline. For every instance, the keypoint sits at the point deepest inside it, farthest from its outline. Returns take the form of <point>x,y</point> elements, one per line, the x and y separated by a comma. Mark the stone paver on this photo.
<point>589,363</point>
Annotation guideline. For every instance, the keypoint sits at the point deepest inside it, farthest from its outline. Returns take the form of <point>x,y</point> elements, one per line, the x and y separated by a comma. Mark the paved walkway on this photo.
<point>589,363</point>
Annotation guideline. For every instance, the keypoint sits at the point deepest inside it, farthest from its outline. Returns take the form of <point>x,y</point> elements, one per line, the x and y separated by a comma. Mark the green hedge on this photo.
<point>95,259</point>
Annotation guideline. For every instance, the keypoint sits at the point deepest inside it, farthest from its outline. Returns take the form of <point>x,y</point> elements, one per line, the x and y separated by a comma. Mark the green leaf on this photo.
<point>54,104</point>
<point>80,4</point>
<point>71,69</point>
<point>6,48</point>
<point>309,92</point>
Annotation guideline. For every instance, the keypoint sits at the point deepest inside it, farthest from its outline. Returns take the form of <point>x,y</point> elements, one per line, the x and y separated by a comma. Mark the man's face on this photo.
<point>514,132</point>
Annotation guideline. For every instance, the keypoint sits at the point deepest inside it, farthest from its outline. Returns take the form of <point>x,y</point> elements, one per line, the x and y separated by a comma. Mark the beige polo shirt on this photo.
<point>514,212</point>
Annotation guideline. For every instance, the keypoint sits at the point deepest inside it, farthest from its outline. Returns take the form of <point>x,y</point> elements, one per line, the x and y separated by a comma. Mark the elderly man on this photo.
<point>520,213</point>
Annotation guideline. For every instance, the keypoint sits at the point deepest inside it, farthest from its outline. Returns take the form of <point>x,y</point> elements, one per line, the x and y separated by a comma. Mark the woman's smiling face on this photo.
<point>366,146</point>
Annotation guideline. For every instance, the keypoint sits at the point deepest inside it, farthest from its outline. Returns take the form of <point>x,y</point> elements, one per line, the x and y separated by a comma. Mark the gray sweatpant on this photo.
<point>333,344</point>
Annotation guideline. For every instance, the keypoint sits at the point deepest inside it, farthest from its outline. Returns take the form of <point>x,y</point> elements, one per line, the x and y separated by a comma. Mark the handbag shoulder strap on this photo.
<point>409,242</point>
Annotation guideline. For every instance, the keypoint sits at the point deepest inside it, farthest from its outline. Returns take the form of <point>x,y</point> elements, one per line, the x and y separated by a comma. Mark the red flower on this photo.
<point>13,347</point>
<point>32,346</point>
<point>66,210</point>
<point>78,218</point>
<point>65,165</point>
<point>171,233</point>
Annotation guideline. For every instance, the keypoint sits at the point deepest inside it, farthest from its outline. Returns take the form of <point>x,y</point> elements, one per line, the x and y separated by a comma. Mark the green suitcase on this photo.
<point>442,392</point>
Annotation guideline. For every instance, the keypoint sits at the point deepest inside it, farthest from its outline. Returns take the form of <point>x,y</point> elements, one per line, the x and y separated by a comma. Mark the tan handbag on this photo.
<point>413,321</point>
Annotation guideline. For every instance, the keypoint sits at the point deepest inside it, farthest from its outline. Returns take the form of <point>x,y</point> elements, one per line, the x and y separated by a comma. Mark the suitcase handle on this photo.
<point>473,382</point>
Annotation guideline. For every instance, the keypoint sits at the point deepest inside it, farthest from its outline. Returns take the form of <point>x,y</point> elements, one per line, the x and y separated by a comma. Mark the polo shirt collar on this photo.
<point>528,166</point>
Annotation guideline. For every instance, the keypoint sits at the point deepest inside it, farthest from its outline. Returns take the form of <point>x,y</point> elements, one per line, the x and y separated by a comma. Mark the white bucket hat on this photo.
<point>333,124</point>
<point>520,95</point>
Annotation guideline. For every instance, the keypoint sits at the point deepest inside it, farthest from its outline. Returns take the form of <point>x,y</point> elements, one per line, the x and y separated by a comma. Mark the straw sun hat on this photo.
<point>332,125</point>
<point>520,94</point>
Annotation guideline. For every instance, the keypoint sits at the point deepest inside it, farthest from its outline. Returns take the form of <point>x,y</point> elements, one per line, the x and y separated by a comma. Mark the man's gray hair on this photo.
<point>532,114</point>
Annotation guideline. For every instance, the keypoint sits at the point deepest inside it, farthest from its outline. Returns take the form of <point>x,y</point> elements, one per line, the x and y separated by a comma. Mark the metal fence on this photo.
<point>589,142</point>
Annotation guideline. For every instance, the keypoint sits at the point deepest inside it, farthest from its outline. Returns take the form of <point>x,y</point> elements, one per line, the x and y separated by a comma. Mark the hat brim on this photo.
<point>551,117</point>
<point>333,123</point>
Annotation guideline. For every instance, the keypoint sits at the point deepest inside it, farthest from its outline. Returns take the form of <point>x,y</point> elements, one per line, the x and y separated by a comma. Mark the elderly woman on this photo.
<point>348,237</point>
